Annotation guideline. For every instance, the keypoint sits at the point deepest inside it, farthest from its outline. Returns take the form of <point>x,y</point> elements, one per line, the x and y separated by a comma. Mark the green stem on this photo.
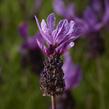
<point>100,84</point>
<point>53,101</point>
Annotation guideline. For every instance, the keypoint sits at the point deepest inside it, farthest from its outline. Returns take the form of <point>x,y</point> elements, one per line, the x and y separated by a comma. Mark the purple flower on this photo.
<point>56,40</point>
<point>96,17</point>
<point>91,19</point>
<point>31,55</point>
<point>68,11</point>
<point>72,73</point>
<point>29,42</point>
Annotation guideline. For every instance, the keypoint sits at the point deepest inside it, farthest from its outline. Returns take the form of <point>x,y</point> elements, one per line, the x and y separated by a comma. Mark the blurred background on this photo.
<point>20,64</point>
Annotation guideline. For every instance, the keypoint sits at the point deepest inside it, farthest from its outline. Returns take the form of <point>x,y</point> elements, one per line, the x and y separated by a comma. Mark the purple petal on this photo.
<point>81,27</point>
<point>68,38</point>
<point>43,30</point>
<point>90,17</point>
<point>72,73</point>
<point>61,30</point>
<point>32,43</point>
<point>59,7</point>
<point>64,47</point>
<point>51,21</point>
<point>46,32</point>
<point>41,42</point>
<point>71,25</point>
<point>44,26</point>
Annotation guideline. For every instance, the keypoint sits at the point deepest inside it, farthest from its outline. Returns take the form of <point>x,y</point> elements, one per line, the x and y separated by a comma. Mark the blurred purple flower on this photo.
<point>68,12</point>
<point>72,73</point>
<point>96,17</point>
<point>91,19</point>
<point>29,42</point>
<point>30,53</point>
<point>56,41</point>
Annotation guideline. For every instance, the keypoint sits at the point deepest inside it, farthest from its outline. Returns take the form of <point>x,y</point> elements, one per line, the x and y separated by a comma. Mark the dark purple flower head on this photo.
<point>72,73</point>
<point>56,40</point>
<point>72,77</point>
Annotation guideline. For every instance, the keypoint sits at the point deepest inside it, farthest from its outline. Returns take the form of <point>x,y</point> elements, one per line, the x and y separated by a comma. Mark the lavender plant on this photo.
<point>54,42</point>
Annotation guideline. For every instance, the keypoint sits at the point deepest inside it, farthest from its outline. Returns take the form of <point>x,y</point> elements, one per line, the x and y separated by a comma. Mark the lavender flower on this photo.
<point>54,42</point>
<point>95,18</point>
<point>96,15</point>
<point>68,11</point>
<point>29,42</point>
<point>91,18</point>
<point>31,55</point>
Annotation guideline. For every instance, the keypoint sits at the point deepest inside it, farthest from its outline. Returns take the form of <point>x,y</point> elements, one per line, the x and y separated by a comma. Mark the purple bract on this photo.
<point>72,73</point>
